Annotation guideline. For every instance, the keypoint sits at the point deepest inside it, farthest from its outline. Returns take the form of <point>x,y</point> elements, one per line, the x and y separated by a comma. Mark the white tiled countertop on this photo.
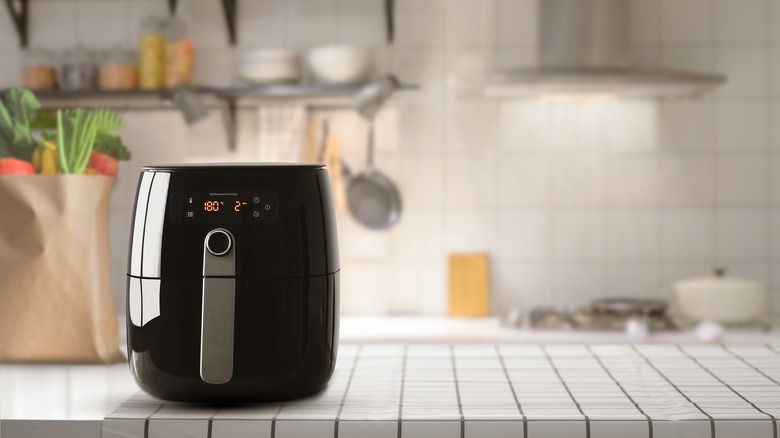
<point>459,382</point>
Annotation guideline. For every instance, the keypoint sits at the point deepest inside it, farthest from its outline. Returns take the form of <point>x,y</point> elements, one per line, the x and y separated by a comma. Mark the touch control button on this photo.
<point>218,242</point>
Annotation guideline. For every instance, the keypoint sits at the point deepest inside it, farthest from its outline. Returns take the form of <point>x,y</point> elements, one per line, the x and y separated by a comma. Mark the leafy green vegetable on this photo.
<point>77,130</point>
<point>112,146</point>
<point>16,140</point>
<point>44,119</point>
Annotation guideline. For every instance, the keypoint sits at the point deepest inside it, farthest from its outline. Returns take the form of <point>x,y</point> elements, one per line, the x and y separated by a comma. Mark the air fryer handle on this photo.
<point>218,307</point>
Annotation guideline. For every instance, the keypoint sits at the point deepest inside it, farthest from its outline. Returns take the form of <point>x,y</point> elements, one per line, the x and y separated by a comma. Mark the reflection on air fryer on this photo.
<point>246,282</point>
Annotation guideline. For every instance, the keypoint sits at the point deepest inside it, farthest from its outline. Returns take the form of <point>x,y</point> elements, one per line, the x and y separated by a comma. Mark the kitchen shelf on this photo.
<point>308,95</point>
<point>227,99</point>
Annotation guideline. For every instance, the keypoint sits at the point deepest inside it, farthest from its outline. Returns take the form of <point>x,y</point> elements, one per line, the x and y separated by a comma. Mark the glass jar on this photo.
<point>151,54</point>
<point>178,52</point>
<point>118,70</point>
<point>78,71</point>
<point>39,69</point>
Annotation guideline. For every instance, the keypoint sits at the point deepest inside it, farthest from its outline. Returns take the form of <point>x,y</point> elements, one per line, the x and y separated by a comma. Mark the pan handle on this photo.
<point>370,154</point>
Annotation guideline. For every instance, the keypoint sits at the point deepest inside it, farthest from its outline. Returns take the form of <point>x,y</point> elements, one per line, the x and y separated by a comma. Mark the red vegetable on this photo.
<point>15,166</point>
<point>103,164</point>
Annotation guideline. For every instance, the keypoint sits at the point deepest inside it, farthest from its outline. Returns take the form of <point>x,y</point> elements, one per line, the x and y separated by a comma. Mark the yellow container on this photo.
<point>151,55</point>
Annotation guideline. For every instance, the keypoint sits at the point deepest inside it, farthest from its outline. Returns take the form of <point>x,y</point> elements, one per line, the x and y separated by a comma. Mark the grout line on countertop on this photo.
<point>148,417</point>
<point>712,420</point>
<point>566,387</point>
<point>457,392</point>
<point>346,391</point>
<point>401,395</point>
<point>696,361</point>
<point>514,393</point>
<point>609,373</point>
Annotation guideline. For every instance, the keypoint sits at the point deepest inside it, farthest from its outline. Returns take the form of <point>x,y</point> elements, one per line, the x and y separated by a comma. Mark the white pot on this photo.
<point>720,299</point>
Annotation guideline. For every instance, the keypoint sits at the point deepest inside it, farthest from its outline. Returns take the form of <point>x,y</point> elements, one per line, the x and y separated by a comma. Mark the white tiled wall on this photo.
<point>573,200</point>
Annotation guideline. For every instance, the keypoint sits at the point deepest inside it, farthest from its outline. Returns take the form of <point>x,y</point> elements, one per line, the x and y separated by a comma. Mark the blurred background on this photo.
<point>570,198</point>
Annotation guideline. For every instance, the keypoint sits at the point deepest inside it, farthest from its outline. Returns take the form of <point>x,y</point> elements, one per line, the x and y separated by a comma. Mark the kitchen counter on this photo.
<point>419,390</point>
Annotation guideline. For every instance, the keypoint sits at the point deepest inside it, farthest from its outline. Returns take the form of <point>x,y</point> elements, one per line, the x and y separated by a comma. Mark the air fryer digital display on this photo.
<point>228,207</point>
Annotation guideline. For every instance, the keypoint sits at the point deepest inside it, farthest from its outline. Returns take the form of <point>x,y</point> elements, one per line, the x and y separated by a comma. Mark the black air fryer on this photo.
<point>233,282</point>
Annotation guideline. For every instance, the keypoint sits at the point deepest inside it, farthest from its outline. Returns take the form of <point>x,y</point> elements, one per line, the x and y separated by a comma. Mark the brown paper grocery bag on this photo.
<point>56,303</point>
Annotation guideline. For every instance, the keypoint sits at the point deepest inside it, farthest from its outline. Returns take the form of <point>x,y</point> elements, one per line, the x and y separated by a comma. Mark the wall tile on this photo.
<point>577,179</point>
<point>470,230</point>
<point>517,285</point>
<point>634,280</point>
<point>473,125</point>
<point>420,128</point>
<point>645,56</point>
<point>214,67</point>
<point>695,59</point>
<point>687,180</point>
<point>633,235</point>
<point>262,23</point>
<point>366,288</point>
<point>742,180</point>
<point>741,21</point>
<point>523,180</point>
<point>470,23</point>
<point>742,125</point>
<point>471,180</point>
<point>513,58</point>
<point>686,21</point>
<point>774,295</point>
<point>774,71</point>
<point>360,243</point>
<point>523,235</point>
<point>420,23</point>
<point>774,231</point>
<point>523,125</point>
<point>410,280</point>
<point>422,183</point>
<point>687,234</point>
<point>687,125</point>
<point>418,236</point>
<point>632,180</point>
<point>578,284</point>
<point>517,22</point>
<point>742,235</point>
<point>53,25</point>
<point>774,22</point>
<point>362,22</point>
<point>103,24</point>
<point>312,23</point>
<point>746,71</point>
<point>10,69</point>
<point>623,126</point>
<point>758,272</point>
<point>676,271</point>
<point>774,190</point>
<point>466,66</point>
<point>645,21</point>
<point>578,235</point>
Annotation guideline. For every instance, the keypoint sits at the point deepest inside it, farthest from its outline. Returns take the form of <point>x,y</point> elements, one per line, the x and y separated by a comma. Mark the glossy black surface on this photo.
<point>285,341</point>
<point>287,286</point>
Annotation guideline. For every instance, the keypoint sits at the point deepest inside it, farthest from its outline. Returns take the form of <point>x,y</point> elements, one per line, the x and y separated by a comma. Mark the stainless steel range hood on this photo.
<point>583,48</point>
